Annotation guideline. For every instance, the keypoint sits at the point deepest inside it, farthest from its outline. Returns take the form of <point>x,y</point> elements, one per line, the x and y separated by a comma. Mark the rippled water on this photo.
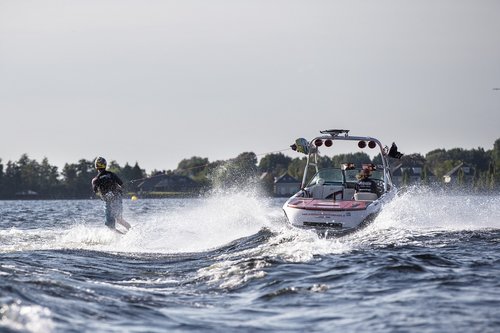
<point>429,263</point>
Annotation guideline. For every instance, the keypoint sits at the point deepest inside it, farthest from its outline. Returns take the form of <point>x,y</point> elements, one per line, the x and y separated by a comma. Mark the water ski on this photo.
<point>119,231</point>
<point>121,226</point>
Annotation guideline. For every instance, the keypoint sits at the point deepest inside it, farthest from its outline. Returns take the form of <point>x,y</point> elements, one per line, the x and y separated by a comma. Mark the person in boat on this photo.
<point>365,183</point>
<point>349,166</point>
<point>108,186</point>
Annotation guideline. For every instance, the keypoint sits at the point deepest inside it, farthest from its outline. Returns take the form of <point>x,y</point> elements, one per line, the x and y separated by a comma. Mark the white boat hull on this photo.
<point>328,214</point>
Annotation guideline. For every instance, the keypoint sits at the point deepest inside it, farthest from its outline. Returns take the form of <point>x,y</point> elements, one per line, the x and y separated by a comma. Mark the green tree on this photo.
<point>325,162</point>
<point>137,172</point>
<point>194,167</point>
<point>77,178</point>
<point>86,172</point>
<point>246,163</point>
<point>276,164</point>
<point>49,179</point>
<point>2,185</point>
<point>114,167</point>
<point>69,173</point>
<point>435,159</point>
<point>296,167</point>
<point>491,178</point>
<point>126,173</point>
<point>238,171</point>
<point>29,174</point>
<point>415,160</point>
<point>478,158</point>
<point>495,168</point>
<point>377,160</point>
<point>12,177</point>
<point>425,175</point>
<point>358,158</point>
<point>133,176</point>
<point>444,167</point>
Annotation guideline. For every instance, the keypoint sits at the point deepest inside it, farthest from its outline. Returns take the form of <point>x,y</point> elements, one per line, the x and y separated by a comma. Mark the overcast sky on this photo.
<point>159,81</point>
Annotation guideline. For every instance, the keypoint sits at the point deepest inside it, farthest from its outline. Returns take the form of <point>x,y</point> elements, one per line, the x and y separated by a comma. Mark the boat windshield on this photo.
<point>351,175</point>
<point>328,177</point>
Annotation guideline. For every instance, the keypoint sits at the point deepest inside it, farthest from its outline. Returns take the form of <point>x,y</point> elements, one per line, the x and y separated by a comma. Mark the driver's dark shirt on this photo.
<point>367,185</point>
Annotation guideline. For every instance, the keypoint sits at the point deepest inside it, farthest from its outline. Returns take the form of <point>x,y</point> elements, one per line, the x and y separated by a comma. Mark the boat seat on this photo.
<point>348,193</point>
<point>365,196</point>
<point>321,192</point>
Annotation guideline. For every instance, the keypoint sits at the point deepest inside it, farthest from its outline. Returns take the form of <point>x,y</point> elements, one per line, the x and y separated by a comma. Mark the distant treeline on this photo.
<point>26,178</point>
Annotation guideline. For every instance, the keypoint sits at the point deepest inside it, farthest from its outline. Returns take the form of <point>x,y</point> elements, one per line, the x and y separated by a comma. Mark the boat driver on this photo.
<point>109,187</point>
<point>366,184</point>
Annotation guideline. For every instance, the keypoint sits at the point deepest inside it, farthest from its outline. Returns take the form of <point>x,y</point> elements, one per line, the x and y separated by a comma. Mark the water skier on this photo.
<point>109,187</point>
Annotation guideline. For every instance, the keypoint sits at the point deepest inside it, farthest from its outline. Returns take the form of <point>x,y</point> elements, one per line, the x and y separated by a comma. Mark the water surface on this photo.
<point>229,262</point>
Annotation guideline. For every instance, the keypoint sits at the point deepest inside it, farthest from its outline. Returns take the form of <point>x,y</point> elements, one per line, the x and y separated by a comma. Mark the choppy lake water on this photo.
<point>230,263</point>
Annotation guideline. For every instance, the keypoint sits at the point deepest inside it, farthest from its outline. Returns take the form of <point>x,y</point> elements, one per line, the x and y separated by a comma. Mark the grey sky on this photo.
<point>159,81</point>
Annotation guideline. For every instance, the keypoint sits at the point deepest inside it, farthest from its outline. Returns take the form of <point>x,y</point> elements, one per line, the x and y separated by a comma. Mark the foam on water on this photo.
<point>418,212</point>
<point>211,223</point>
<point>424,209</point>
<point>288,244</point>
<point>198,225</point>
<point>26,318</point>
<point>204,224</point>
<point>15,239</point>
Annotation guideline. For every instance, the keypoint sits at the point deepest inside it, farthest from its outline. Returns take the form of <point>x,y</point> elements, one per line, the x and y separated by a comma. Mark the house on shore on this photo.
<point>411,175</point>
<point>460,175</point>
<point>286,185</point>
<point>28,194</point>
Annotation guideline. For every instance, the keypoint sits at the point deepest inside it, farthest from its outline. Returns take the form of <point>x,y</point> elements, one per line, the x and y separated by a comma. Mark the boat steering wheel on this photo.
<point>380,185</point>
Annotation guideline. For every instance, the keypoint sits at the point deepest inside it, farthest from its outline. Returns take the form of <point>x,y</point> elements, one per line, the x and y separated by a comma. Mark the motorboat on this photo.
<point>331,201</point>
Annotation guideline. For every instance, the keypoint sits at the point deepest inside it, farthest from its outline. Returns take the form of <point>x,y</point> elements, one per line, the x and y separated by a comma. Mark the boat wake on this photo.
<point>205,224</point>
<point>420,217</point>
<point>161,226</point>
